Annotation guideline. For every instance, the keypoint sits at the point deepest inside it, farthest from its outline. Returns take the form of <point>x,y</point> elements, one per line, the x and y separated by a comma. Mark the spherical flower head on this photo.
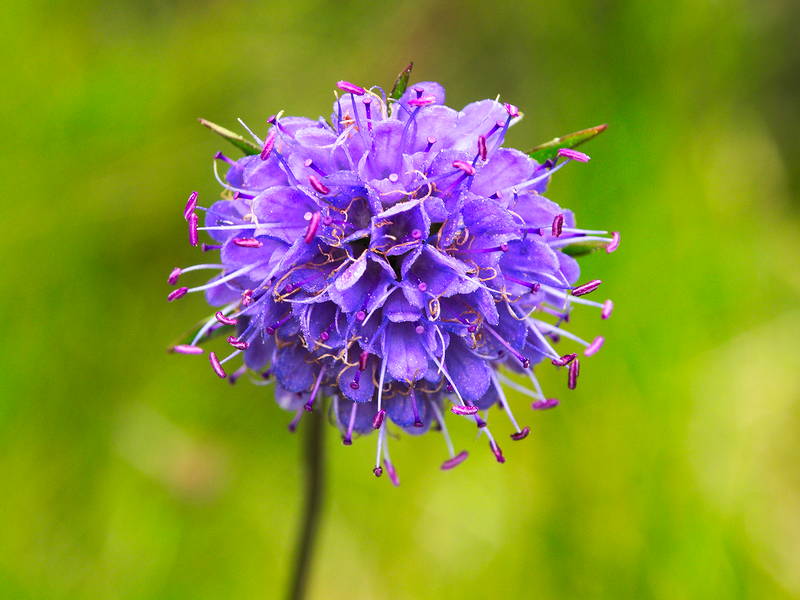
<point>397,260</point>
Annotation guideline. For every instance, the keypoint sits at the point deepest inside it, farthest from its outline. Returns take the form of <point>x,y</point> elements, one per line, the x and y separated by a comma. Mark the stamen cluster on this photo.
<point>394,260</point>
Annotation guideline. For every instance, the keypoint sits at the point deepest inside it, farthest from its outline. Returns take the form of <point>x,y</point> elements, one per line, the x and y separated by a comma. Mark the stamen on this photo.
<point>309,406</point>
<point>377,421</point>
<point>313,224</point>
<point>220,316</point>
<point>351,88</point>
<point>368,110</point>
<point>417,421</point>
<point>615,238</point>
<point>276,325</point>
<point>464,166</point>
<point>558,224</point>
<point>422,101</point>
<point>596,344</point>
<point>221,156</point>
<point>297,416</point>
<point>534,286</point>
<point>269,144</point>
<point>193,229</point>
<point>175,294</point>
<point>526,363</point>
<point>586,288</point>
<point>391,472</point>
<point>608,307</point>
<point>215,364</point>
<point>187,349</point>
<point>318,185</point>
<point>512,110</point>
<point>564,360</point>
<point>173,276</point>
<point>498,453</point>
<point>248,242</point>
<point>191,204</point>
<point>574,370</point>
<point>521,434</point>
<point>310,164</point>
<point>237,343</point>
<point>573,154</point>
<point>482,152</point>
<point>545,404</point>
<point>348,437</point>
<point>209,247</point>
<point>354,385</point>
<point>458,409</point>
<point>455,461</point>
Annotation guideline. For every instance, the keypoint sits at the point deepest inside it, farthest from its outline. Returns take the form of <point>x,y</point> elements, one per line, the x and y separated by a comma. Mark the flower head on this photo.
<point>395,260</point>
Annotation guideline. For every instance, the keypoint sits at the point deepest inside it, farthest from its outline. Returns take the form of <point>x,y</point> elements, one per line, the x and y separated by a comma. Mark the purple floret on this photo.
<point>397,260</point>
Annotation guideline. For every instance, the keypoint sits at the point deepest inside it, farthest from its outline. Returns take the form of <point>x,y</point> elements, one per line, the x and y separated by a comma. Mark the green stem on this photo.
<point>314,471</point>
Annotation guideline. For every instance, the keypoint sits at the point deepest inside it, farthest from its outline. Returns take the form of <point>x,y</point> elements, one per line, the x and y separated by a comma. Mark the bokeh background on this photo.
<point>672,472</point>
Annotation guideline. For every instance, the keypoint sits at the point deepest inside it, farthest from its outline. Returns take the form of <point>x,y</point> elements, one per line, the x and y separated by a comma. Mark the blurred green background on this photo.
<point>672,472</point>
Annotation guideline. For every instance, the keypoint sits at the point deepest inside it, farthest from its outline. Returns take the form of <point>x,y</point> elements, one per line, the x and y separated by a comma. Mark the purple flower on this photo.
<point>395,260</point>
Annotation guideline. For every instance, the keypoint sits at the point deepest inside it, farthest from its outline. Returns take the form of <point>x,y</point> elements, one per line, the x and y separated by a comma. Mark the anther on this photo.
<point>222,157</point>
<point>521,434</point>
<point>237,343</point>
<point>584,289</point>
<point>596,344</point>
<point>558,224</point>
<point>223,319</point>
<point>193,229</point>
<point>455,461</point>
<point>378,471</point>
<point>269,143</point>
<point>247,242</point>
<point>271,329</point>
<point>573,154</point>
<point>318,185</point>
<point>416,234</point>
<point>351,88</point>
<point>482,152</point>
<point>173,276</point>
<point>215,364</point>
<point>209,247</point>
<point>311,230</point>
<point>391,472</point>
<point>191,204</point>
<point>419,329</point>
<point>614,243</point>
<point>431,141</point>
<point>311,165</point>
<point>362,360</point>
<point>175,294</point>
<point>545,404</point>
<point>187,349</point>
<point>361,315</point>
<point>377,421</point>
<point>422,101</point>
<point>464,166</point>
<point>574,369</point>
<point>458,409</point>
<point>354,385</point>
<point>564,360</point>
<point>498,453</point>
<point>247,297</point>
<point>512,110</point>
<point>608,307</point>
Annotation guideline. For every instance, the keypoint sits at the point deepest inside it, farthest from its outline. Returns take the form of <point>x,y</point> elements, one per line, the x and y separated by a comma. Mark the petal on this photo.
<point>404,351</point>
<point>470,374</point>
